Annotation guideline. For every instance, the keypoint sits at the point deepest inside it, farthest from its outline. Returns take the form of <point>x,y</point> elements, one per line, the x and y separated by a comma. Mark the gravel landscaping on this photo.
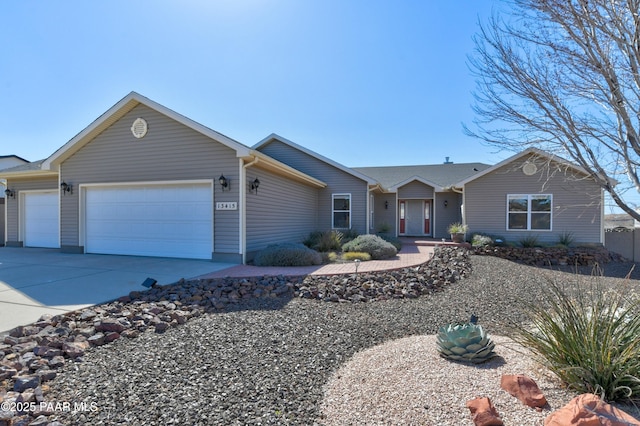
<point>267,358</point>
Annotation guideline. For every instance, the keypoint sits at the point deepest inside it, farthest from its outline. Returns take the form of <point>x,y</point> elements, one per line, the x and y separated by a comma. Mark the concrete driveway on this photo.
<point>36,281</point>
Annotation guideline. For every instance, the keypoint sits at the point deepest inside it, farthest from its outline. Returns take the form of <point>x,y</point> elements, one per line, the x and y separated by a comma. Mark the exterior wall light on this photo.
<point>386,205</point>
<point>254,185</point>
<point>446,203</point>
<point>10,193</point>
<point>66,187</point>
<point>224,182</point>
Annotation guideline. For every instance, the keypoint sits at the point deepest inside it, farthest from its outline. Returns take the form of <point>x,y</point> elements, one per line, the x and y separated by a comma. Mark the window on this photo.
<point>341,218</point>
<point>529,212</point>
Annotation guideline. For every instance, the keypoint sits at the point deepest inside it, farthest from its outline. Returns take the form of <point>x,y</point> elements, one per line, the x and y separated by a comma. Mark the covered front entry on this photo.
<point>165,220</point>
<point>414,217</point>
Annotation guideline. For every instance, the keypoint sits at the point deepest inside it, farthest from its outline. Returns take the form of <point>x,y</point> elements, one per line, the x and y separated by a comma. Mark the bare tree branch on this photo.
<point>564,76</point>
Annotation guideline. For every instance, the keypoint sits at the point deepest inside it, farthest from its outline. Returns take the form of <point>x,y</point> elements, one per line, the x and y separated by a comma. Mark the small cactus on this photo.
<point>465,342</point>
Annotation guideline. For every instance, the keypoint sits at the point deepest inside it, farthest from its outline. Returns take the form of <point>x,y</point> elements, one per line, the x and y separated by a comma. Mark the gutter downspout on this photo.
<point>243,198</point>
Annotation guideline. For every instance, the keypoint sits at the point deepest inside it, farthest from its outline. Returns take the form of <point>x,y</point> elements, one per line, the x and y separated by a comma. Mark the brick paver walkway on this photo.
<point>413,253</point>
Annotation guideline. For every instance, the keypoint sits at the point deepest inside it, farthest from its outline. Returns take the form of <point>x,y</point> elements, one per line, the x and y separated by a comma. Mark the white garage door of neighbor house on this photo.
<point>150,220</point>
<point>41,224</point>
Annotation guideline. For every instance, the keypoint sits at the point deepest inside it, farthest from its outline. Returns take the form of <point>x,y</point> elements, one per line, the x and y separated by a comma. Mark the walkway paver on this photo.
<point>410,255</point>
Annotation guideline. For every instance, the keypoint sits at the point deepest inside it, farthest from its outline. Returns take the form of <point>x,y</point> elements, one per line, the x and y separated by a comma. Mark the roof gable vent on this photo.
<point>139,128</point>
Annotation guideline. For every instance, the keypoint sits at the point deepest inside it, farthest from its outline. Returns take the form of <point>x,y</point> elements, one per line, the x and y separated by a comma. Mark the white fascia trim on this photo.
<point>274,136</point>
<point>257,155</point>
<point>528,151</point>
<point>150,182</point>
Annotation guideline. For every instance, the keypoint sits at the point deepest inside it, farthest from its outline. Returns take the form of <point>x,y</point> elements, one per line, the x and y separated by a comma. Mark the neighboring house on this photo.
<point>6,161</point>
<point>145,180</point>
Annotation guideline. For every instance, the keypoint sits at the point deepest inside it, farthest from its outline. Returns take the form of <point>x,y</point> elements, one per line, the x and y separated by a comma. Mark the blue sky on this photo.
<point>363,82</point>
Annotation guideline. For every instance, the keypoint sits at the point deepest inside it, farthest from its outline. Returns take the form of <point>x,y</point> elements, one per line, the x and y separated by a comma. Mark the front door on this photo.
<point>415,217</point>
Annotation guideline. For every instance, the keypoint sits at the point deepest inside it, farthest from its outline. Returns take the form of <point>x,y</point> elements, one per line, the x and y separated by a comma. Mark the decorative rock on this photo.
<point>110,324</point>
<point>46,375</point>
<point>56,361</point>
<point>523,388</point>
<point>161,327</point>
<point>97,339</point>
<point>483,412</point>
<point>26,382</point>
<point>46,351</point>
<point>75,349</point>
<point>7,372</point>
<point>111,336</point>
<point>589,410</point>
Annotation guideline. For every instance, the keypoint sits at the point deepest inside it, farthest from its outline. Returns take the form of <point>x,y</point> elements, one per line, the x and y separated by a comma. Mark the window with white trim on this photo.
<point>341,217</point>
<point>529,212</point>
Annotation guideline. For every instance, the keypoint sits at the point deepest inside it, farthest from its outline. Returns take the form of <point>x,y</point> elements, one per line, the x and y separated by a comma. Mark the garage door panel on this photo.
<point>41,220</point>
<point>150,221</point>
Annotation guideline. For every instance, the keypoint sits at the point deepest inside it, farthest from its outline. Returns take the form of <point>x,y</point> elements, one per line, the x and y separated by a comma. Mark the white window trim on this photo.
<point>333,211</point>
<point>529,197</point>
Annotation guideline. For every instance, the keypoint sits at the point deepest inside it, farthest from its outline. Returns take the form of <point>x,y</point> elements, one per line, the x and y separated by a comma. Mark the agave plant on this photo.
<point>465,342</point>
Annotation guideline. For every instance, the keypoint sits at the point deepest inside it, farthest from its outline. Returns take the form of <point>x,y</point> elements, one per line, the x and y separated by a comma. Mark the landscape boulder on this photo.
<point>589,410</point>
<point>524,388</point>
<point>483,412</point>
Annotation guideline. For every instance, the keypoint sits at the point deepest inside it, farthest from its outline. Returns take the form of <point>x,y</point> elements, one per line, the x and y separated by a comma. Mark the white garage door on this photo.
<point>41,224</point>
<point>150,220</point>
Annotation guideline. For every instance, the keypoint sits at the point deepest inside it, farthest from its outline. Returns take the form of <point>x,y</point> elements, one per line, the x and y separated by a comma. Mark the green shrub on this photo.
<point>529,241</point>
<point>589,337</point>
<point>349,235</point>
<point>393,240</point>
<point>324,241</point>
<point>479,240</point>
<point>384,228</point>
<point>457,228</point>
<point>566,239</point>
<point>356,255</point>
<point>372,244</point>
<point>287,254</point>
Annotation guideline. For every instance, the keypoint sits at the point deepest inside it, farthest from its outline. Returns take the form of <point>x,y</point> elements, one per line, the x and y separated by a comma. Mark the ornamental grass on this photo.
<point>589,336</point>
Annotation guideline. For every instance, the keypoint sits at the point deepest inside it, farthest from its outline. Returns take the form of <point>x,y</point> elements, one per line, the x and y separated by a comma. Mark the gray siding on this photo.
<point>445,216</point>
<point>416,190</point>
<point>385,216</point>
<point>169,152</point>
<point>338,182</point>
<point>13,213</point>
<point>576,202</point>
<point>2,221</point>
<point>281,211</point>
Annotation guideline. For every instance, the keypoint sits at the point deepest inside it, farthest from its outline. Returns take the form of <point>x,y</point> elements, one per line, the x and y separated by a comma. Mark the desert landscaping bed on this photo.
<point>270,357</point>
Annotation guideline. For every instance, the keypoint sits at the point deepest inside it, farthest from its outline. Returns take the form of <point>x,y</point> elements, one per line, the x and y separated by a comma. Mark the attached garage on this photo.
<point>40,224</point>
<point>163,220</point>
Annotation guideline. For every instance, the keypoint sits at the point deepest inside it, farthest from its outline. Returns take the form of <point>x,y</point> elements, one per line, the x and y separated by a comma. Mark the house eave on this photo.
<point>268,163</point>
<point>274,136</point>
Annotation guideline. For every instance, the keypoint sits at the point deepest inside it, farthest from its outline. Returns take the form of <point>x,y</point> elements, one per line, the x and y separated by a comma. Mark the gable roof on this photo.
<point>275,137</point>
<point>121,108</point>
<point>2,157</point>
<point>529,151</point>
<point>28,169</point>
<point>439,176</point>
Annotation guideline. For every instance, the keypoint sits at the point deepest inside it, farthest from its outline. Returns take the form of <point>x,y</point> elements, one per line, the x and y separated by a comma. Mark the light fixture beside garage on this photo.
<point>10,193</point>
<point>66,187</point>
<point>224,183</point>
<point>254,185</point>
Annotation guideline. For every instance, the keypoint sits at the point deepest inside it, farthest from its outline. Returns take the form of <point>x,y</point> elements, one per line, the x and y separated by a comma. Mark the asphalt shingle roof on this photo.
<point>442,174</point>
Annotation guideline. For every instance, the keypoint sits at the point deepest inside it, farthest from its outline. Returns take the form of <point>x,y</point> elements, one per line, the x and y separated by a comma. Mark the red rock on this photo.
<point>483,412</point>
<point>589,410</point>
<point>523,388</point>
